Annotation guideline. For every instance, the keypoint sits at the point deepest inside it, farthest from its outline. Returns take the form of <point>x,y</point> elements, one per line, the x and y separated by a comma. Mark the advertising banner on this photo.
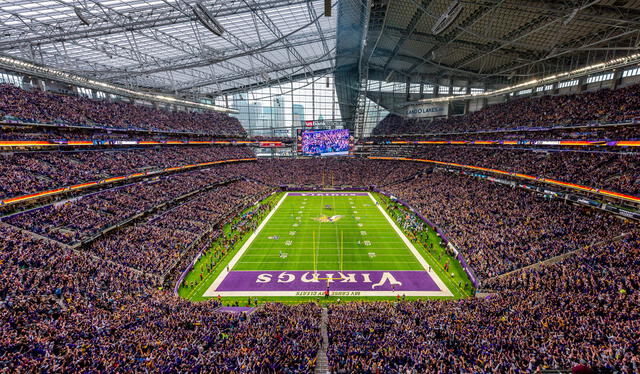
<point>427,110</point>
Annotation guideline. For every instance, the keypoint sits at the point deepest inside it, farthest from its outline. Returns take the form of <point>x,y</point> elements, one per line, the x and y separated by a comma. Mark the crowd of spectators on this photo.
<point>102,307</point>
<point>326,172</point>
<point>498,228</point>
<point>66,312</point>
<point>38,106</point>
<point>606,106</point>
<point>104,137</point>
<point>77,219</point>
<point>582,313</point>
<point>29,172</point>
<point>157,243</point>
<point>626,131</point>
<point>617,171</point>
<point>484,219</point>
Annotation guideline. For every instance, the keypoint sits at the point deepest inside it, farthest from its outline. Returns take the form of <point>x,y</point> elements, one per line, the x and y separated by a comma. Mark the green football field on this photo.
<point>312,242</point>
<point>358,237</point>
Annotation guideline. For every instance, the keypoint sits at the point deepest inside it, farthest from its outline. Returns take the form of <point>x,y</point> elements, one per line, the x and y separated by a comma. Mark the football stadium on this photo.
<point>320,186</point>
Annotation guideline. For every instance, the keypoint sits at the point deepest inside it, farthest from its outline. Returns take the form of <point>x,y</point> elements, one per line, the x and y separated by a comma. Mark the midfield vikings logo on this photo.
<point>327,218</point>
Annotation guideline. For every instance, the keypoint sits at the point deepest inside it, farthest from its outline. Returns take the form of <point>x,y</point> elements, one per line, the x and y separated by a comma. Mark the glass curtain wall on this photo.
<point>279,110</point>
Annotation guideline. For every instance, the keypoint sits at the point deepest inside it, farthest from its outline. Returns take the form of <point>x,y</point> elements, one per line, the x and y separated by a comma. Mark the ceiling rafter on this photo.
<point>187,61</point>
<point>291,65</point>
<point>259,12</point>
<point>408,31</point>
<point>135,43</point>
<point>111,22</point>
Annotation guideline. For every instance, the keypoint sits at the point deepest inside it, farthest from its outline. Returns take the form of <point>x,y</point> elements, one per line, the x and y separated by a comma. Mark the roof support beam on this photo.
<point>106,22</point>
<point>188,61</point>
<point>258,10</point>
<point>584,43</point>
<point>512,37</point>
<point>271,82</point>
<point>314,16</point>
<point>463,44</point>
<point>407,32</point>
<point>257,73</point>
<point>524,31</point>
<point>452,35</point>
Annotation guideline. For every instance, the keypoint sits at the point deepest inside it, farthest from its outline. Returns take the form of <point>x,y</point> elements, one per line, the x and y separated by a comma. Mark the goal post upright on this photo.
<point>341,251</point>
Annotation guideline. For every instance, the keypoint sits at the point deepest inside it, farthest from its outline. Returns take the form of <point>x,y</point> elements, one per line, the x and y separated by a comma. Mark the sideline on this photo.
<point>223,274</point>
<point>445,290</point>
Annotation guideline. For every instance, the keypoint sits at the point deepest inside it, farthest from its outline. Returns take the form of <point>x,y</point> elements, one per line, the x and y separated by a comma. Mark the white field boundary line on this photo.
<point>372,240</point>
<point>223,274</point>
<point>421,260</point>
<point>371,248</point>
<point>320,262</point>
<point>321,293</point>
<point>356,255</point>
<point>212,289</point>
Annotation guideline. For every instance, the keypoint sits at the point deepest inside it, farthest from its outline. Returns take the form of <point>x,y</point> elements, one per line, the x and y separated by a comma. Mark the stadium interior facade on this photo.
<point>328,186</point>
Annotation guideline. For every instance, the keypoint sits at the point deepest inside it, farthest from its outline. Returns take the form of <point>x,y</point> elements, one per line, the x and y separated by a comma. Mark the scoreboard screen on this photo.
<point>324,142</point>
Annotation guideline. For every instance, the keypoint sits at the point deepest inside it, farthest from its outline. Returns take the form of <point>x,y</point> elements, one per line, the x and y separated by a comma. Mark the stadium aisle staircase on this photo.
<point>322,363</point>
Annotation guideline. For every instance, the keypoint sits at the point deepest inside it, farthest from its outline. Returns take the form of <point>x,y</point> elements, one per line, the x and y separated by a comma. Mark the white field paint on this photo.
<point>421,260</point>
<point>211,291</point>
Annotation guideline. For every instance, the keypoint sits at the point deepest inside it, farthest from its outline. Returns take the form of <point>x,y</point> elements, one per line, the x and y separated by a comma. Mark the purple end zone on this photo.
<point>328,194</point>
<point>272,281</point>
<point>235,309</point>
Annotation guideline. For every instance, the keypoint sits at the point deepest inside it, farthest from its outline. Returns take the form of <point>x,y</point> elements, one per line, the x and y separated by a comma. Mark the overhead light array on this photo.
<point>618,62</point>
<point>49,73</point>
<point>207,20</point>
<point>81,16</point>
<point>447,18</point>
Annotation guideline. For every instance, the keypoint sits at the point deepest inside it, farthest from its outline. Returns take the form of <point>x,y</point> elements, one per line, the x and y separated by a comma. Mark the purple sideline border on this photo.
<point>301,280</point>
<point>235,309</point>
<point>459,257</point>
<point>285,188</point>
<point>328,193</point>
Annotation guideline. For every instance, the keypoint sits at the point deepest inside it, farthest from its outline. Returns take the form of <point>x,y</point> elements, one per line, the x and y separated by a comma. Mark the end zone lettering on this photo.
<point>308,283</point>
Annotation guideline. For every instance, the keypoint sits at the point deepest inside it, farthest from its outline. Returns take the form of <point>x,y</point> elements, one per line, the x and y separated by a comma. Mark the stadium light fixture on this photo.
<point>61,76</point>
<point>595,68</point>
<point>81,16</point>
<point>207,20</point>
<point>447,18</point>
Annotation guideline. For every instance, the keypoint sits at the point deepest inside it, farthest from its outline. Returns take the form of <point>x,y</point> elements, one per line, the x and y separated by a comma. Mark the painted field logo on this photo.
<point>327,218</point>
<point>372,282</point>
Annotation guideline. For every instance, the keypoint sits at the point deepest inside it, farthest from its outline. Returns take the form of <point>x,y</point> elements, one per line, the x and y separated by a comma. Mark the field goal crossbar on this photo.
<point>330,279</point>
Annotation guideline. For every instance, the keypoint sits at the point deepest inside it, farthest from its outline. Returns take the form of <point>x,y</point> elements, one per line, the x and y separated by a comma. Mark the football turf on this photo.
<point>329,235</point>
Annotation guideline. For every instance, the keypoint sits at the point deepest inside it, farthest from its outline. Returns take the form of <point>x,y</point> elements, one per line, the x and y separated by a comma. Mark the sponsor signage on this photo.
<point>427,110</point>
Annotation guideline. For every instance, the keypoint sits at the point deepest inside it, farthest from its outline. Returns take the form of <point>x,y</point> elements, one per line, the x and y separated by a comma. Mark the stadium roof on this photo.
<point>191,48</point>
<point>163,45</point>
<point>491,43</point>
<point>488,44</point>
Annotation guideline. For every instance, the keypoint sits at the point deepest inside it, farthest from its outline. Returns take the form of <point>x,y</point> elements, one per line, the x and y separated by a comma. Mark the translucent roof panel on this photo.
<point>162,45</point>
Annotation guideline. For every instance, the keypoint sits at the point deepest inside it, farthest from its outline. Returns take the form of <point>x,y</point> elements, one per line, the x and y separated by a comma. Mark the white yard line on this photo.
<point>243,249</point>
<point>309,248</point>
<point>444,291</point>
<point>413,250</point>
<point>334,294</point>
